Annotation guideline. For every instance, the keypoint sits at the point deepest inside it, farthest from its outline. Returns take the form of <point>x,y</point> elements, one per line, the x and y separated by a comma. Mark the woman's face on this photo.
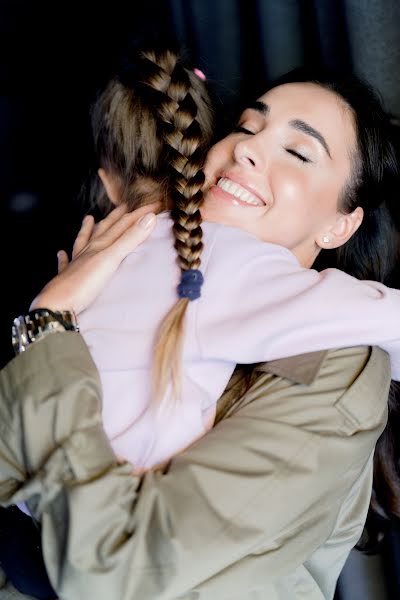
<point>280,174</point>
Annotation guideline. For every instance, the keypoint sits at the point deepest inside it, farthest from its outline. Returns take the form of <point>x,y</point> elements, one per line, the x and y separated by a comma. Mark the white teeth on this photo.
<point>237,190</point>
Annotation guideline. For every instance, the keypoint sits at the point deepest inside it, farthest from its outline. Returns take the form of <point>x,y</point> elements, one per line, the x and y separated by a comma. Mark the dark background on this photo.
<point>53,57</point>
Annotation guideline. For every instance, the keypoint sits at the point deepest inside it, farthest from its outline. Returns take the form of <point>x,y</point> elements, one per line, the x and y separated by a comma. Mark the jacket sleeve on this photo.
<point>266,484</point>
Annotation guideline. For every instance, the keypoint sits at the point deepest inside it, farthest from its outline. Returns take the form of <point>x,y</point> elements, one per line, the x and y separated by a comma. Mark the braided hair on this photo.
<point>152,126</point>
<point>184,150</point>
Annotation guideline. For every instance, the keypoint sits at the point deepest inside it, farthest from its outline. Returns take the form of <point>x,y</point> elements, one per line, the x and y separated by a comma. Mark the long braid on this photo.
<point>184,145</point>
<point>151,126</point>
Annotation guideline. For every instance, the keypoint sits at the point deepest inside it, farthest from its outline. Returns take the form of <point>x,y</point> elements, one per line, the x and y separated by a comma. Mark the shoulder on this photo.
<point>355,383</point>
<point>243,263</point>
<point>242,243</point>
<point>364,376</point>
<point>347,394</point>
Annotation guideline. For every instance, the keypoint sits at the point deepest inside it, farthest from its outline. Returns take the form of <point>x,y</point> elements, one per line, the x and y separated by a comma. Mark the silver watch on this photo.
<point>38,323</point>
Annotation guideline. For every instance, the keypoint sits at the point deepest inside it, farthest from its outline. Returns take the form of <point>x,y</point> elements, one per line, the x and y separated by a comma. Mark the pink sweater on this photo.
<point>257,304</point>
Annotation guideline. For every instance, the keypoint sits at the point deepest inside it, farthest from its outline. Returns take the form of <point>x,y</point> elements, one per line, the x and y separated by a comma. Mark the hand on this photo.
<point>98,251</point>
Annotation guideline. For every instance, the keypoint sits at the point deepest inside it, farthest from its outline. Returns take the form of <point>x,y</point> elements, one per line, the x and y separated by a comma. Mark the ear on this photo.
<point>342,230</point>
<point>110,185</point>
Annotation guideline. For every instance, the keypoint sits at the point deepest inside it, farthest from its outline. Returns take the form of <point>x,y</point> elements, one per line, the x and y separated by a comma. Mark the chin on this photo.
<point>207,211</point>
<point>214,214</point>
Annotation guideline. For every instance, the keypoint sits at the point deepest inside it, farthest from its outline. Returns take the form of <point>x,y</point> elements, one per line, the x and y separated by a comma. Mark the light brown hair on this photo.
<point>152,126</point>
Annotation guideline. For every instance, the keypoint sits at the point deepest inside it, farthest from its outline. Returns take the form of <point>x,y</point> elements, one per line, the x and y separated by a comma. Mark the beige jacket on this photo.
<point>266,506</point>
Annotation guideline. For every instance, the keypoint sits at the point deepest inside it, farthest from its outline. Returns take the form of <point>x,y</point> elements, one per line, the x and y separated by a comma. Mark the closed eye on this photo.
<point>240,129</point>
<point>301,157</point>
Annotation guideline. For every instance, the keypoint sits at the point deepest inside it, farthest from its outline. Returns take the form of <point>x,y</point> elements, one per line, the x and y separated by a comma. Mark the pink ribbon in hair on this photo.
<point>199,74</point>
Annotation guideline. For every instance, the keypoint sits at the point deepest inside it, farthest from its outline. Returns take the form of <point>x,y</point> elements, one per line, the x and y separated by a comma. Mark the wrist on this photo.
<point>37,324</point>
<point>41,302</point>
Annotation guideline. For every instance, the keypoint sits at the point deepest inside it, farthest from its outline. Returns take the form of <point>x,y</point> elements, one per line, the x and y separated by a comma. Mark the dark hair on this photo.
<point>372,252</point>
<point>152,126</point>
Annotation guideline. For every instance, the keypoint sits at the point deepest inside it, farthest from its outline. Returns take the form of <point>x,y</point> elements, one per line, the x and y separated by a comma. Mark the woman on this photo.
<point>166,120</point>
<point>257,508</point>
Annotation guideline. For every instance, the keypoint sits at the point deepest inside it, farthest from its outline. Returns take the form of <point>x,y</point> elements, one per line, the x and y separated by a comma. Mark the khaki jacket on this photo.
<point>266,506</point>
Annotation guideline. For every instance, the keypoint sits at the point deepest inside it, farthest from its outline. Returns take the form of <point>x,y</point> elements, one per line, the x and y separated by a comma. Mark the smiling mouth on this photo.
<point>239,192</point>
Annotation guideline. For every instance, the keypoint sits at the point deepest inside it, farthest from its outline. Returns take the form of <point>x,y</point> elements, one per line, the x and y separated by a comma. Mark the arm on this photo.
<point>268,307</point>
<point>263,483</point>
<point>97,252</point>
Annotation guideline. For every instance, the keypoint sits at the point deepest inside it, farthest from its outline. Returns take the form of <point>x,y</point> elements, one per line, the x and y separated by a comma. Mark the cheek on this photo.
<point>292,217</point>
<point>217,158</point>
<point>305,194</point>
<point>291,189</point>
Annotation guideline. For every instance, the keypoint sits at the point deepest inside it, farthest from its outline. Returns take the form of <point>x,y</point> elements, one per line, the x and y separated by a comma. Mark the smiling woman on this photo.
<point>280,174</point>
<point>274,496</point>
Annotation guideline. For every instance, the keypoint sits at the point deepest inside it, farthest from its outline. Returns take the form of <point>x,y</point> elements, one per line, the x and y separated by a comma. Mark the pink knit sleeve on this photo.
<point>259,304</point>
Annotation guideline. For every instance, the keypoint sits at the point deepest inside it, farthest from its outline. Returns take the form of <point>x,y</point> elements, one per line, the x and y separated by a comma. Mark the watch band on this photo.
<point>38,323</point>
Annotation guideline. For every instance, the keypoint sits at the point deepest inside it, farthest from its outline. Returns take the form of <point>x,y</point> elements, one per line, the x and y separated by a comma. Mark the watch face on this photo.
<point>20,338</point>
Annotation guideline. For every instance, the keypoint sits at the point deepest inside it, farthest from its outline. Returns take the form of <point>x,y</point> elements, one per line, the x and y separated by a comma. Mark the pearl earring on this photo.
<point>326,239</point>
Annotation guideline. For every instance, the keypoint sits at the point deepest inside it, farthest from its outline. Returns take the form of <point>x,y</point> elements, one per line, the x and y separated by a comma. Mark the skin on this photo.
<point>295,200</point>
<point>98,251</point>
<point>294,176</point>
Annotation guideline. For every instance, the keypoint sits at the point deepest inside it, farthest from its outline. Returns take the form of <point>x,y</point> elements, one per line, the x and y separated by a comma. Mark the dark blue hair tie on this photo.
<point>190,285</point>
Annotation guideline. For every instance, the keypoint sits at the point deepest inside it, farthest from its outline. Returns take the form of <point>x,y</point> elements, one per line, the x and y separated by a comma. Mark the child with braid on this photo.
<point>152,126</point>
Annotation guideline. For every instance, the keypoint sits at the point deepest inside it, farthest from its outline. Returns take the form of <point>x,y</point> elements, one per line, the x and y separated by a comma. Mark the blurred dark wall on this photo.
<point>53,58</point>
<point>55,55</point>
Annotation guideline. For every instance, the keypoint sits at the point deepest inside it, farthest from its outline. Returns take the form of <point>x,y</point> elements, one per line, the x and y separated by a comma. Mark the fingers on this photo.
<point>80,281</point>
<point>134,235</point>
<point>146,222</point>
<point>109,220</point>
<point>84,235</point>
<point>123,223</point>
<point>97,237</point>
<point>154,207</point>
<point>114,218</point>
<point>62,260</point>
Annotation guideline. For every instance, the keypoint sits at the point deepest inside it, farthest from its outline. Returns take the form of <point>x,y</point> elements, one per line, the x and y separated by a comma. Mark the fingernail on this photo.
<point>147,220</point>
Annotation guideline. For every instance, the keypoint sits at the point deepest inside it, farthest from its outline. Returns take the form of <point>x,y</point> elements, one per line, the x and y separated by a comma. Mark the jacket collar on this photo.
<point>303,368</point>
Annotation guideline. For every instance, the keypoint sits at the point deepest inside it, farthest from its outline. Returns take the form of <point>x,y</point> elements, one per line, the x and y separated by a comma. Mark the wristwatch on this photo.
<point>38,323</point>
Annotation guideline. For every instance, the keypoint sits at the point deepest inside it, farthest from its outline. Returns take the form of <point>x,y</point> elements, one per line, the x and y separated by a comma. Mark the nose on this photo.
<point>245,152</point>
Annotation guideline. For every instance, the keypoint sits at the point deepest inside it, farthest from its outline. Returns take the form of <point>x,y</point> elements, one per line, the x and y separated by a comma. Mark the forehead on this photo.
<point>321,108</point>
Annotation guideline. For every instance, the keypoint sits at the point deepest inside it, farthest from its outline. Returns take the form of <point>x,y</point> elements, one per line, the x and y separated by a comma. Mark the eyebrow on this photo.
<point>259,106</point>
<point>307,129</point>
<point>298,124</point>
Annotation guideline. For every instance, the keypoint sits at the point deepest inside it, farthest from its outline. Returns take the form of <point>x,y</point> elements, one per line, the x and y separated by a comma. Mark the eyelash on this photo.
<point>240,129</point>
<point>301,157</point>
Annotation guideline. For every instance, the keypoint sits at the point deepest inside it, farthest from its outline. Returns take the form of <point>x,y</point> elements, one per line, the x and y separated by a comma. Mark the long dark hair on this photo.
<point>371,253</point>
